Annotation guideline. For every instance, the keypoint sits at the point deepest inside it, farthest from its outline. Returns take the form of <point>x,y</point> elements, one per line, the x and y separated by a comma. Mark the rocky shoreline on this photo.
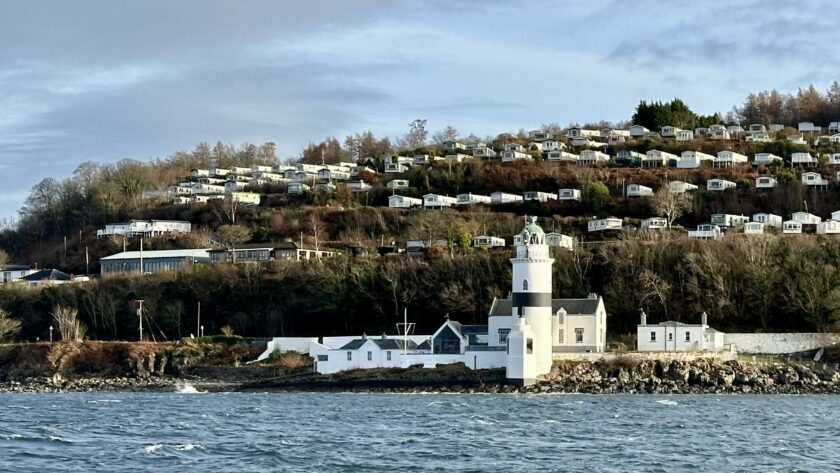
<point>613,377</point>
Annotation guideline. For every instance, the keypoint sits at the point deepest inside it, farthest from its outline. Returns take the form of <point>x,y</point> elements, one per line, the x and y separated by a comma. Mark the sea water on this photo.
<point>193,431</point>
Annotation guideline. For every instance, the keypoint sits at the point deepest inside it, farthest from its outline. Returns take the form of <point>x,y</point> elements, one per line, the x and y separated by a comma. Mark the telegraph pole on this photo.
<point>198,321</point>
<point>140,316</point>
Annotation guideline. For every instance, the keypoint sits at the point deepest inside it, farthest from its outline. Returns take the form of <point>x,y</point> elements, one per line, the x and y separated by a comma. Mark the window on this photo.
<point>349,356</point>
<point>687,336</point>
<point>323,357</point>
<point>561,336</point>
<point>388,355</point>
<point>503,335</point>
<point>370,355</point>
<point>671,337</point>
<point>578,335</point>
<point>529,346</point>
<point>525,285</point>
<point>653,336</point>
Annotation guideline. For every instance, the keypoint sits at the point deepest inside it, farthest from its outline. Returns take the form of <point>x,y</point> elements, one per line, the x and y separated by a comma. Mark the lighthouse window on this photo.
<point>529,345</point>
<point>687,336</point>
<point>578,335</point>
<point>503,335</point>
<point>525,285</point>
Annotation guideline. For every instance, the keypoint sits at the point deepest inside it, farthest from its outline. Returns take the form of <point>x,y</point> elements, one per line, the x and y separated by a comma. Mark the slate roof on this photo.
<point>47,275</point>
<point>389,343</point>
<point>583,306</point>
<point>474,329</point>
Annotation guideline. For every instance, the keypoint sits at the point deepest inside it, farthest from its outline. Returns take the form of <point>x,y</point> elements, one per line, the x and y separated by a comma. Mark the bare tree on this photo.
<point>232,236</point>
<point>447,134</point>
<point>227,208</point>
<point>69,327</point>
<point>9,327</point>
<point>670,205</point>
<point>4,258</point>
<point>317,230</point>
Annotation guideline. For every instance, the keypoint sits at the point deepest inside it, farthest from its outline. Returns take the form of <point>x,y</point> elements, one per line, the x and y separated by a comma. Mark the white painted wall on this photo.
<point>779,343</point>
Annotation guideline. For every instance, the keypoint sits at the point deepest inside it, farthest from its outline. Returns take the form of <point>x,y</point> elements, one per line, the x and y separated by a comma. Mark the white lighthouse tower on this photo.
<point>529,342</point>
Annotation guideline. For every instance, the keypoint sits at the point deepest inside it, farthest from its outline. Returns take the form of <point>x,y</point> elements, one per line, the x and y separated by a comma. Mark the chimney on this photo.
<point>643,317</point>
<point>592,295</point>
<point>704,319</point>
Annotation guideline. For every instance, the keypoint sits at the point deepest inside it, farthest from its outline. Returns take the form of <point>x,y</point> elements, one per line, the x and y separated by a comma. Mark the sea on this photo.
<point>301,432</point>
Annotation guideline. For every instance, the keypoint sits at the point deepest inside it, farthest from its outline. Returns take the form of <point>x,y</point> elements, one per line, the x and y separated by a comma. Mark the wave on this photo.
<point>188,388</point>
<point>667,402</point>
<point>181,447</point>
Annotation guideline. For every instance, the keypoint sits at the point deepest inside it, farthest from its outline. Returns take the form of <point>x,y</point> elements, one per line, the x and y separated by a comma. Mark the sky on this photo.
<point>104,80</point>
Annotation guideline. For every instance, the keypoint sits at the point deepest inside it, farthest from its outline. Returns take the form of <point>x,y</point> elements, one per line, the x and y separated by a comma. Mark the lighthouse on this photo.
<point>530,341</point>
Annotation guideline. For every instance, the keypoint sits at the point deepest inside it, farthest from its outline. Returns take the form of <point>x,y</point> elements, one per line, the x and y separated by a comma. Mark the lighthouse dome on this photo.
<point>531,227</point>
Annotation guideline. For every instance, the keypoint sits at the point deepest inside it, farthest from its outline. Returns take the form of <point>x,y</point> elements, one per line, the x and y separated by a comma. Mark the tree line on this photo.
<point>744,284</point>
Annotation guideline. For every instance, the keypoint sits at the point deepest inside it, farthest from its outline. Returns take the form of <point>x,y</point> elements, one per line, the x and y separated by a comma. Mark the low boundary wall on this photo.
<point>779,343</point>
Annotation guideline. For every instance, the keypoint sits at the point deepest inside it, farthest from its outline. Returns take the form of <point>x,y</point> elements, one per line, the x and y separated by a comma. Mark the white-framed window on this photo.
<point>653,336</point>
<point>503,335</point>
<point>687,336</point>
<point>370,355</point>
<point>525,285</point>
<point>578,335</point>
<point>388,355</point>
<point>670,336</point>
<point>529,346</point>
<point>349,356</point>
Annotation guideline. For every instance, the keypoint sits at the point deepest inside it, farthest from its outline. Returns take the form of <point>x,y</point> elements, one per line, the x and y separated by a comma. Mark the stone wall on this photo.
<point>647,356</point>
<point>779,343</point>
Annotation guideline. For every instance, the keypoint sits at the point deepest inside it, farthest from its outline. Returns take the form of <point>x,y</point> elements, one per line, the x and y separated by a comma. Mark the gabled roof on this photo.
<point>583,306</point>
<point>47,275</point>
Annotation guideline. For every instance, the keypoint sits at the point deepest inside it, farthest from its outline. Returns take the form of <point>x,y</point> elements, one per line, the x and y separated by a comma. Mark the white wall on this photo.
<point>779,343</point>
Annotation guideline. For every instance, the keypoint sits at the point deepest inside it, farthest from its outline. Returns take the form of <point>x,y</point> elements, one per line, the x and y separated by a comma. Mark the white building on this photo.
<point>718,132</point>
<point>591,156</point>
<point>771,220</point>
<point>145,228</point>
<point>766,159</point>
<point>499,197</point>
<point>469,198</point>
<point>563,156</point>
<point>437,201</point>
<point>719,185</point>
<point>395,168</point>
<point>728,158</point>
<point>486,241</point>
<point>766,182</point>
<point>706,231</point>
<point>358,186</point>
<point>803,159</point>
<point>638,131</point>
<point>250,198</point>
<point>680,187</point>
<point>806,218</point>
<point>456,157</point>
<point>829,227</point>
<point>729,220</point>
<point>558,240</point>
<point>677,336</point>
<point>403,202</point>
<point>693,159</point>
<point>684,135</point>
<point>397,184</point>
<point>654,223</point>
<point>813,179</point>
<point>791,227</point>
<point>235,186</point>
<point>568,194</point>
<point>539,196</point>
<point>604,224</point>
<point>656,158</point>
<point>669,131</point>
<point>754,228</point>
<point>638,190</point>
<point>509,156</point>
<point>484,153</point>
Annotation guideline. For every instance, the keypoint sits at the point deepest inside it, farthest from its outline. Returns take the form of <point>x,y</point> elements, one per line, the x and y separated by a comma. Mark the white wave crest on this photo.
<point>667,402</point>
<point>187,388</point>
<point>153,448</point>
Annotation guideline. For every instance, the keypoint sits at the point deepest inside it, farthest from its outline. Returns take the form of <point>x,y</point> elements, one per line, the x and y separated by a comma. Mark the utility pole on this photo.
<point>140,316</point>
<point>87,262</point>
<point>198,321</point>
<point>141,256</point>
